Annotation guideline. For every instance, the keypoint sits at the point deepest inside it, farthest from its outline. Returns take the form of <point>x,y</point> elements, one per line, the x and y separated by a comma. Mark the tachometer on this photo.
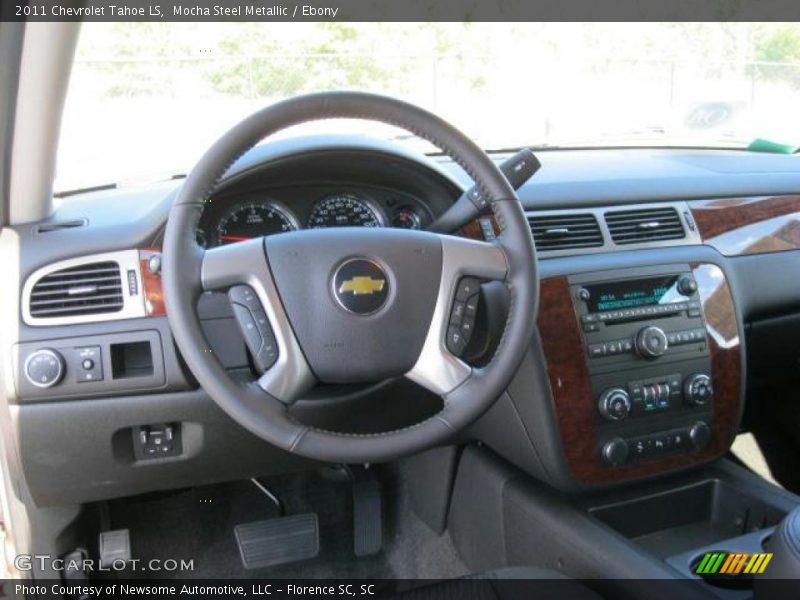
<point>254,219</point>
<point>345,210</point>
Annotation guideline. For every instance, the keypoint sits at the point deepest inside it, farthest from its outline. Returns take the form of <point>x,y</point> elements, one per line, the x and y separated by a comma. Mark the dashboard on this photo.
<point>727,221</point>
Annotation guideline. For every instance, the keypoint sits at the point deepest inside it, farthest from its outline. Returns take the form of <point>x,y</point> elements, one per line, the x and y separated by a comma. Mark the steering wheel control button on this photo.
<point>244,295</point>
<point>258,335</point>
<point>44,368</point>
<point>360,286</point>
<point>467,287</point>
<point>462,315</point>
<point>90,366</point>
<point>457,314</point>
<point>456,342</point>
<point>471,306</point>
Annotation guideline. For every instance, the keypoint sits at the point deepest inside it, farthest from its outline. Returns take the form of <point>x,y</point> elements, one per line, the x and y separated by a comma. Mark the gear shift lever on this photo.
<point>781,580</point>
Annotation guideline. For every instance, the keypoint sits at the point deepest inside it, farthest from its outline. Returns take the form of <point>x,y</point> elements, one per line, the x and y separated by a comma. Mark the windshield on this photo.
<point>146,99</point>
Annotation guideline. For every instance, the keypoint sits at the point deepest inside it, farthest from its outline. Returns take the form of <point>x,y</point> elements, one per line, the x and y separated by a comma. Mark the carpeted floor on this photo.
<point>197,524</point>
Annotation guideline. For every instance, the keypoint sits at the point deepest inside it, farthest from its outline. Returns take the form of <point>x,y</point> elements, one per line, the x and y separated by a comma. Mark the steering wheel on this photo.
<point>351,304</point>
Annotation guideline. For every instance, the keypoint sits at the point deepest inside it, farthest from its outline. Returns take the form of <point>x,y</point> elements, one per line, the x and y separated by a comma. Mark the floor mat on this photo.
<point>197,525</point>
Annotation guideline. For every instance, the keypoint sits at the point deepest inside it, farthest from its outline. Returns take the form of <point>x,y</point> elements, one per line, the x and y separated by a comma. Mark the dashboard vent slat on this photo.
<point>565,232</point>
<point>645,225</point>
<point>83,290</point>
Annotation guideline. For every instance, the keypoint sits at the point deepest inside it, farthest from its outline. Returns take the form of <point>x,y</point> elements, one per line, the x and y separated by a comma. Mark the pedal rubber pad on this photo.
<point>278,541</point>
<point>114,546</point>
<point>367,514</point>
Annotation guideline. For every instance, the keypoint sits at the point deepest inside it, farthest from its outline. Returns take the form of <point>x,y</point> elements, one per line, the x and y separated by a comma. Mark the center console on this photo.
<point>644,368</point>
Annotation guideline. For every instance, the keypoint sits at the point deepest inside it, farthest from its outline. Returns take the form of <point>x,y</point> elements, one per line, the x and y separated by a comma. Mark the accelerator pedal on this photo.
<point>367,511</point>
<point>278,541</point>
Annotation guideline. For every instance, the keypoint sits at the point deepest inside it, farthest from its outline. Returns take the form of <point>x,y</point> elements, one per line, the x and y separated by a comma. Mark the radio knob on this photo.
<point>687,286</point>
<point>44,368</point>
<point>697,389</point>
<point>700,435</point>
<point>615,452</point>
<point>651,342</point>
<point>614,404</point>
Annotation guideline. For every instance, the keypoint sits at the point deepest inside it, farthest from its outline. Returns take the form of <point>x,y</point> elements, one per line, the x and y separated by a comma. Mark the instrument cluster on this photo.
<point>239,218</point>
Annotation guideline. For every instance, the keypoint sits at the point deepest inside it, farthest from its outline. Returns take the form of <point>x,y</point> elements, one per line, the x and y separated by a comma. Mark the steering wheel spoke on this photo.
<point>287,376</point>
<point>465,265</point>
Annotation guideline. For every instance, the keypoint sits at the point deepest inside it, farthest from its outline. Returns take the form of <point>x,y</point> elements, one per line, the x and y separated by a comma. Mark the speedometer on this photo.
<point>345,210</point>
<point>254,219</point>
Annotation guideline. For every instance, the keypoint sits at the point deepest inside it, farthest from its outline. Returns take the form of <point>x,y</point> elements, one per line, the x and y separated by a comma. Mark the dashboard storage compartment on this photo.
<point>131,359</point>
<point>680,519</point>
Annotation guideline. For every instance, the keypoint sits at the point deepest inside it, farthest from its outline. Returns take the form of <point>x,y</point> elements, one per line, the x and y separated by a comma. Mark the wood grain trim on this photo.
<point>571,387</point>
<point>153,295</point>
<point>474,231</point>
<point>752,225</point>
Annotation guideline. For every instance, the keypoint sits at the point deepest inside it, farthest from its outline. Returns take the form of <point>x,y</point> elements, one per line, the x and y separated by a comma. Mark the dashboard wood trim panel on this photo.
<point>151,282</point>
<point>570,385</point>
<point>750,225</point>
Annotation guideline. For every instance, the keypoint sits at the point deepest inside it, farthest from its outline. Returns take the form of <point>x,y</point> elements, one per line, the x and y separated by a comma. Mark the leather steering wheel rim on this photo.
<point>188,270</point>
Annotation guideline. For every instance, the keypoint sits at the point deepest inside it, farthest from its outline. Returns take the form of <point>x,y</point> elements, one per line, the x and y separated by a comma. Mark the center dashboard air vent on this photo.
<point>644,225</point>
<point>565,231</point>
<point>93,288</point>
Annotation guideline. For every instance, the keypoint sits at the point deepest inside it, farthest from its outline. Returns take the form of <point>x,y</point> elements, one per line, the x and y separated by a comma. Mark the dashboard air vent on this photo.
<point>565,232</point>
<point>87,289</point>
<point>644,225</point>
<point>60,225</point>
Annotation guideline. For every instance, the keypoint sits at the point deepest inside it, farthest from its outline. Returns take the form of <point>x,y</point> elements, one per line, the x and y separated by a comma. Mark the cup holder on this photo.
<point>736,581</point>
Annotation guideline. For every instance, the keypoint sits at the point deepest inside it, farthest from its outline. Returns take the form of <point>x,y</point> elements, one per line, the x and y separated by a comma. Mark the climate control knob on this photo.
<point>651,342</point>
<point>615,452</point>
<point>614,404</point>
<point>44,368</point>
<point>697,389</point>
<point>700,435</point>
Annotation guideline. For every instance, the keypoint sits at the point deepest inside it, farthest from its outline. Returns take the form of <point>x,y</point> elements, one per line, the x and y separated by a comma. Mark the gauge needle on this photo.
<point>234,238</point>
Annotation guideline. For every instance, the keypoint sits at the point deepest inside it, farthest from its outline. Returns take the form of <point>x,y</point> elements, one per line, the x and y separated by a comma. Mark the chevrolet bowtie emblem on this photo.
<point>360,286</point>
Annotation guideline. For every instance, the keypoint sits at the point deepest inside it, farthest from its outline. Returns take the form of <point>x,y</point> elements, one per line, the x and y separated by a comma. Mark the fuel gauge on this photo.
<point>406,218</point>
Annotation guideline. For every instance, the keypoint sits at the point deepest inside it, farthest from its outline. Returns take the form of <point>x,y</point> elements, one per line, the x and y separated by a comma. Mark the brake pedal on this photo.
<point>114,546</point>
<point>278,541</point>
<point>367,511</point>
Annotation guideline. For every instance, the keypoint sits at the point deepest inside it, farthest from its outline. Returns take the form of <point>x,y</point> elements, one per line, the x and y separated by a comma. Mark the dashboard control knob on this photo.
<point>697,389</point>
<point>583,295</point>
<point>614,404</point>
<point>615,452</point>
<point>687,286</point>
<point>651,342</point>
<point>700,435</point>
<point>44,368</point>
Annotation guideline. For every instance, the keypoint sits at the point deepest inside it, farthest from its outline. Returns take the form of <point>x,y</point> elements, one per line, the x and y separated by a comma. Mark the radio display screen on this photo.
<point>633,293</point>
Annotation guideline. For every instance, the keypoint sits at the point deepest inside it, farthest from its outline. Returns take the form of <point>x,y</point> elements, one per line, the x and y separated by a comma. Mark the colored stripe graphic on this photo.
<point>734,563</point>
<point>765,562</point>
<point>728,562</point>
